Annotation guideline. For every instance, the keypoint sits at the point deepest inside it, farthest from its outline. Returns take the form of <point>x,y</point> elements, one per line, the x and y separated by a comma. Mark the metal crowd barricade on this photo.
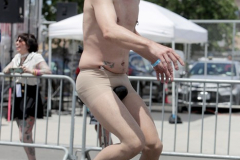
<point>183,143</point>
<point>41,140</point>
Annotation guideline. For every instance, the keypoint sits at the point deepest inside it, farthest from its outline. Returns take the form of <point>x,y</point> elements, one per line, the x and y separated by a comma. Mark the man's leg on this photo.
<point>114,117</point>
<point>138,109</point>
<point>27,137</point>
<point>107,135</point>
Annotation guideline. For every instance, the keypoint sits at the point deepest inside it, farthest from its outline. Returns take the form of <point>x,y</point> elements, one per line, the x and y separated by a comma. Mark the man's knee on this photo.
<point>154,148</point>
<point>134,146</point>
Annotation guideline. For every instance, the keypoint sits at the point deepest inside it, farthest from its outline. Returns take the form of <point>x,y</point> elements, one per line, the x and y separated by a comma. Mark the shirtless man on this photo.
<point>109,34</point>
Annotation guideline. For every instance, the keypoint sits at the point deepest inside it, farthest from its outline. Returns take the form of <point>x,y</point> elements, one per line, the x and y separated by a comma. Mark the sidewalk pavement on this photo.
<point>17,153</point>
<point>10,153</point>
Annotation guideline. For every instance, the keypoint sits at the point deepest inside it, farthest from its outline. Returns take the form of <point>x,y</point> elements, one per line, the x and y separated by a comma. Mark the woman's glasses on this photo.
<point>19,40</point>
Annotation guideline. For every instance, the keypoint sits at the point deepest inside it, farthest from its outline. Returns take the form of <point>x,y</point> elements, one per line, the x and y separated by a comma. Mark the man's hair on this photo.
<point>30,41</point>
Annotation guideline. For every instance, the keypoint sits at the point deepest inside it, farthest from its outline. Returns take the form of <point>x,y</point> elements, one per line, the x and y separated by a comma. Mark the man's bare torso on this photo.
<point>101,52</point>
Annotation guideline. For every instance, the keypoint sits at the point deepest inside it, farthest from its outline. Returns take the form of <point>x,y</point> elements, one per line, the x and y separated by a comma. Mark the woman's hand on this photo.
<point>6,71</point>
<point>26,70</point>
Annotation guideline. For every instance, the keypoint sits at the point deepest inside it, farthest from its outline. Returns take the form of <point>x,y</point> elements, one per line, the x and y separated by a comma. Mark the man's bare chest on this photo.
<point>127,12</point>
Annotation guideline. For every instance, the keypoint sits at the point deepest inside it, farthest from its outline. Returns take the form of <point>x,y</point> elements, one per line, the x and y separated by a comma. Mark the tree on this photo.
<point>207,9</point>
<point>49,13</point>
<point>201,9</point>
<point>49,8</point>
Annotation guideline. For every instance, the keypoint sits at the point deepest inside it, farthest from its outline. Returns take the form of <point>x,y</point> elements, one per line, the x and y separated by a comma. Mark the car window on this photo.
<point>140,63</point>
<point>219,69</point>
<point>137,62</point>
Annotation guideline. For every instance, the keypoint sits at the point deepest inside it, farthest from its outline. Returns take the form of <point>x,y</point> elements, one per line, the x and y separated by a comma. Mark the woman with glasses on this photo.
<point>27,60</point>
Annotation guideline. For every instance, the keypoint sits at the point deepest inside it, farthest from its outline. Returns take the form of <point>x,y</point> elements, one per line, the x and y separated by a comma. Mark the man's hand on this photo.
<point>167,57</point>
<point>163,72</point>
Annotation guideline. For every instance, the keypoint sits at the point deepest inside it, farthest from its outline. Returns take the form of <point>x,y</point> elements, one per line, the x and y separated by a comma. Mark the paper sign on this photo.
<point>18,90</point>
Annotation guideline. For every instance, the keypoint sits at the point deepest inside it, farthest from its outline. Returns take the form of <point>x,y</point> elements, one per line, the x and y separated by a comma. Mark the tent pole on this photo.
<point>49,51</point>
<point>185,51</point>
<point>205,55</point>
<point>233,47</point>
<point>173,119</point>
<point>205,75</point>
<point>188,57</point>
<point>189,52</point>
<point>49,107</point>
<point>173,87</point>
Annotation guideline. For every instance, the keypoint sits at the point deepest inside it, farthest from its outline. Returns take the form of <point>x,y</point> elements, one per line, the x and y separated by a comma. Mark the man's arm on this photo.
<point>107,20</point>
<point>160,68</point>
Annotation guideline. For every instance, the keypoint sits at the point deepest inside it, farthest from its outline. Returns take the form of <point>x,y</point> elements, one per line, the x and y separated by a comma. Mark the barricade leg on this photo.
<point>84,132</point>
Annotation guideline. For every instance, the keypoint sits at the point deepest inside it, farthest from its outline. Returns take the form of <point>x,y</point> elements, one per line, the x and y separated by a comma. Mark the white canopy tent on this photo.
<point>161,25</point>
<point>155,23</point>
<point>70,28</point>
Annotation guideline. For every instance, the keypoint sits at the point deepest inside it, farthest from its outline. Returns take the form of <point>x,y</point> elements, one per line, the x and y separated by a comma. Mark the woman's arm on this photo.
<point>6,69</point>
<point>43,68</point>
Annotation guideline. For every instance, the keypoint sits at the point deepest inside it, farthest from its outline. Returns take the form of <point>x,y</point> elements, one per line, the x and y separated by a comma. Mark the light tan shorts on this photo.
<point>92,83</point>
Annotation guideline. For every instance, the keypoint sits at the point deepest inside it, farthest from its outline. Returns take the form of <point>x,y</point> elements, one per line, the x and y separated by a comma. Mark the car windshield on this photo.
<point>218,69</point>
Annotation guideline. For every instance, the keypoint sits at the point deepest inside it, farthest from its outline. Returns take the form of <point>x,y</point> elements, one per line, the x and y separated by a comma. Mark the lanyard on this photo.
<point>22,62</point>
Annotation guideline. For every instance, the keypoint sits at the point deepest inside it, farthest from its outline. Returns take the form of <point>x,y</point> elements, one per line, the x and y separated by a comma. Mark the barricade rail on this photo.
<point>53,134</point>
<point>66,153</point>
<point>200,135</point>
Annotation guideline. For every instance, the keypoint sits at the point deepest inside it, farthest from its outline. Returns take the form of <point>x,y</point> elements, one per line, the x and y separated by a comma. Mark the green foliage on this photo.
<point>49,13</point>
<point>190,9</point>
<point>49,8</point>
<point>201,9</point>
<point>207,9</point>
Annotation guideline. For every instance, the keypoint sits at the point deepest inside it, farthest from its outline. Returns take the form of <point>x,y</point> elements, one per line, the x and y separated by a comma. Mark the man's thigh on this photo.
<point>138,109</point>
<point>115,117</point>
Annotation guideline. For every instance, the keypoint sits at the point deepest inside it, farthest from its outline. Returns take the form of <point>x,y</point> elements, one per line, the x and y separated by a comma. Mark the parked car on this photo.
<point>180,73</point>
<point>220,69</point>
<point>139,66</point>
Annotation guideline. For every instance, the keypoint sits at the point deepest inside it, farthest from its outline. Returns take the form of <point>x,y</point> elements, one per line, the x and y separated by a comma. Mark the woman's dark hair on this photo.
<point>30,41</point>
